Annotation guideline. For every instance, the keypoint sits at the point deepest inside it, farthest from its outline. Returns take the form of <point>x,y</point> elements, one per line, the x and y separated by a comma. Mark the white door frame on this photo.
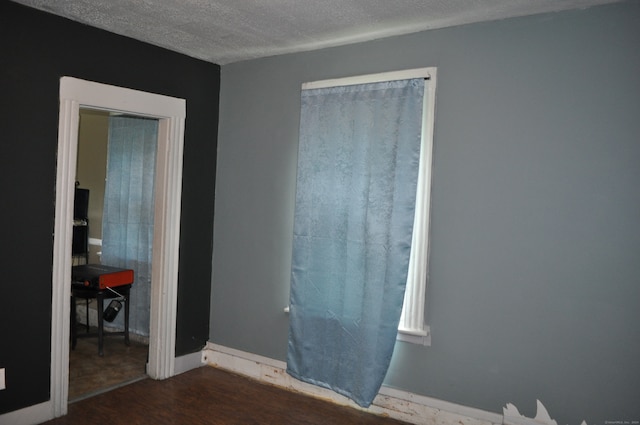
<point>171,113</point>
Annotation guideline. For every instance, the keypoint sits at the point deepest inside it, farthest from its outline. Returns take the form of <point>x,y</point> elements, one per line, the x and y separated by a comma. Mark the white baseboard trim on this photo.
<point>397,404</point>
<point>187,362</point>
<point>31,415</point>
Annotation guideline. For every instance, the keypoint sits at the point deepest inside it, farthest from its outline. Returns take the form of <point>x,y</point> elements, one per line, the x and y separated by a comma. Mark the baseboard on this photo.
<point>401,405</point>
<point>397,404</point>
<point>31,415</point>
<point>187,362</point>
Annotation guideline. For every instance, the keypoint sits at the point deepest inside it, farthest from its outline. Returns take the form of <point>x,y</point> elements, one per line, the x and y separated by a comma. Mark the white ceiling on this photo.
<point>225,31</point>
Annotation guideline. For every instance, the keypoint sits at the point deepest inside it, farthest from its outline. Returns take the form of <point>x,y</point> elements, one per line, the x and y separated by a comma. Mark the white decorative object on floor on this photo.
<point>513,417</point>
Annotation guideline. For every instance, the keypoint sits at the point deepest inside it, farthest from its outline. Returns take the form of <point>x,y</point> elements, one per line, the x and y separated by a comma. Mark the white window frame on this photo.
<point>412,327</point>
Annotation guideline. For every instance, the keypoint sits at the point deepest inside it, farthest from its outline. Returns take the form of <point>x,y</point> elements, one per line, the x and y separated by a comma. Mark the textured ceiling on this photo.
<point>225,31</point>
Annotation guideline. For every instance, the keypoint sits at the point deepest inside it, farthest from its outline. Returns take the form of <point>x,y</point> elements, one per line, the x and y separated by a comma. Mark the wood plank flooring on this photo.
<point>210,396</point>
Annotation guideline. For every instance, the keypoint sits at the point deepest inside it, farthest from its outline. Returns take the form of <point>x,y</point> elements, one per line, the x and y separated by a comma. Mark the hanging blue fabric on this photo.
<point>357,174</point>
<point>127,222</point>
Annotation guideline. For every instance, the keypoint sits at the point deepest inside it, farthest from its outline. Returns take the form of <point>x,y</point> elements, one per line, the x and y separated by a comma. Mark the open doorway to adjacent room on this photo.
<point>77,95</point>
<point>129,195</point>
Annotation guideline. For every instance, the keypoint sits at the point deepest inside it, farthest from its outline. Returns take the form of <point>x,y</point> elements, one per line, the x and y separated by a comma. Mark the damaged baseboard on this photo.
<point>390,402</point>
<point>397,404</point>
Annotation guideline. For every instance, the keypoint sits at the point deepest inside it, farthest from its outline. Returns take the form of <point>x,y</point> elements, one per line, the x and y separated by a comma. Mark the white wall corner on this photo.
<point>397,404</point>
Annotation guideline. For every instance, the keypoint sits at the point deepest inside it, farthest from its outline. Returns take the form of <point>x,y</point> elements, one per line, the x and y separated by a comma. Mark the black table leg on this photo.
<point>126,316</point>
<point>74,323</point>
<point>100,299</point>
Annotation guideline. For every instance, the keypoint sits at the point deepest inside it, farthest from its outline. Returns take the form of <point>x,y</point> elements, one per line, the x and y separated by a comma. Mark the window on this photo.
<point>412,327</point>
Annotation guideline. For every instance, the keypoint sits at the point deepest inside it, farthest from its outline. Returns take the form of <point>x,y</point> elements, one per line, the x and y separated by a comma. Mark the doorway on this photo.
<point>114,178</point>
<point>170,112</point>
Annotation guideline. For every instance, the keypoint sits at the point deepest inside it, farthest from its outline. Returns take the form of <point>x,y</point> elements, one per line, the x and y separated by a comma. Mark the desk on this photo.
<point>81,289</point>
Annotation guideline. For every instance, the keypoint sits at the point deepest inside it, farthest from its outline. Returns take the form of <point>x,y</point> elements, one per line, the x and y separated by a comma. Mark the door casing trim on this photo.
<point>171,113</point>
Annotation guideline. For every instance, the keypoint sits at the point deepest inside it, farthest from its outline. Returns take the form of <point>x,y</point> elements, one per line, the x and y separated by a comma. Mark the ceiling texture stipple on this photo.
<point>226,31</point>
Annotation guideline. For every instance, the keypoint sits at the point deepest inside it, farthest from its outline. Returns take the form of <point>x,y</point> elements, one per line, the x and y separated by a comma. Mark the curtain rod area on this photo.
<point>426,73</point>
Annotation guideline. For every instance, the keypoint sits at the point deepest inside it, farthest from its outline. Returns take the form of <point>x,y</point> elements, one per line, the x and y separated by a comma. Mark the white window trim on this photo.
<point>412,326</point>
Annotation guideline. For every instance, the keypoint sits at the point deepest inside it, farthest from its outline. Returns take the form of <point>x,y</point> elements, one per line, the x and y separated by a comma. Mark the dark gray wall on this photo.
<point>535,268</point>
<point>36,49</point>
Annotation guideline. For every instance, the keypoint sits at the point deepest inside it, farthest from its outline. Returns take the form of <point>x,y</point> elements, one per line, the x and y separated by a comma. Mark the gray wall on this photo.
<point>534,286</point>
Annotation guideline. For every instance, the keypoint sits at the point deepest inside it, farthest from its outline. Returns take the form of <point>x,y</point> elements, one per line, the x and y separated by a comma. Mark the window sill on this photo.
<point>415,337</point>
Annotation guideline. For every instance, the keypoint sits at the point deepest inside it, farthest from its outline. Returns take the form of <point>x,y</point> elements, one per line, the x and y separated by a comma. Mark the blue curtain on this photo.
<point>127,223</point>
<point>355,200</point>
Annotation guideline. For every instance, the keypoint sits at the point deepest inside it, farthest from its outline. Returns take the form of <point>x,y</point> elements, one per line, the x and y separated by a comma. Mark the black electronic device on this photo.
<point>81,204</point>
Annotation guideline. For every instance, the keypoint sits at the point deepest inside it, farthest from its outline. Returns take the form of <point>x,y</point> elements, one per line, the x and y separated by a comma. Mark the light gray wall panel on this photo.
<point>534,284</point>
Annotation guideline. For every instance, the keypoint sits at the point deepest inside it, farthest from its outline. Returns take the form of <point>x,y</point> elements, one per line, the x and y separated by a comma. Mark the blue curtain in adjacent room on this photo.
<point>357,174</point>
<point>127,224</point>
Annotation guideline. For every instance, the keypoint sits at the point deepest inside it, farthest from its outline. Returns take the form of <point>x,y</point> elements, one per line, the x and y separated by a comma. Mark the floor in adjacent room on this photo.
<point>90,374</point>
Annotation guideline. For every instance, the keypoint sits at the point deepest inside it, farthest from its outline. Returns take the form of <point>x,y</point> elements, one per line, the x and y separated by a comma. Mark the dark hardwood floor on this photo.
<point>210,396</point>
